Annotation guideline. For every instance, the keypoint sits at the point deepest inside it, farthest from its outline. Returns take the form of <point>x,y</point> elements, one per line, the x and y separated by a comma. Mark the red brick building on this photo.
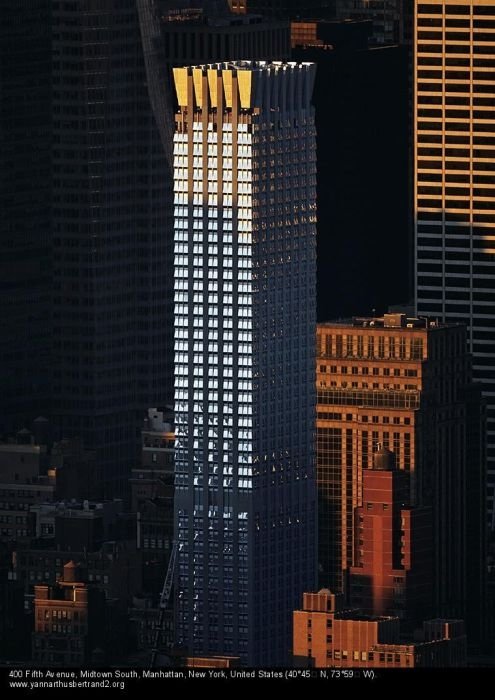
<point>393,545</point>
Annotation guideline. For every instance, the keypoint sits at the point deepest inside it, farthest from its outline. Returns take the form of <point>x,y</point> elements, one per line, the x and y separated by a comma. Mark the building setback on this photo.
<point>244,363</point>
<point>404,383</point>
<point>454,188</point>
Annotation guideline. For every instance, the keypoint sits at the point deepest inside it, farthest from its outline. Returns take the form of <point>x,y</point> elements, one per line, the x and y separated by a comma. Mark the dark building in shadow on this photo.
<point>362,122</point>
<point>25,238</point>
<point>284,8</point>
<point>152,500</point>
<point>86,244</point>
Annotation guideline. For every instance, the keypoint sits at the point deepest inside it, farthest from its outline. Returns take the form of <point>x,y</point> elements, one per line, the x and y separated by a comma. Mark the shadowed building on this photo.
<point>113,208</point>
<point>25,234</point>
<point>198,35</point>
<point>152,499</point>
<point>362,188</point>
<point>86,225</point>
<point>387,18</point>
<point>111,219</point>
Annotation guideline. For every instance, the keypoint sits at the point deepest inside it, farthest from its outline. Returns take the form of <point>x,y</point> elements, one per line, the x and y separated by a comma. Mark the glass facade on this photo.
<point>244,359</point>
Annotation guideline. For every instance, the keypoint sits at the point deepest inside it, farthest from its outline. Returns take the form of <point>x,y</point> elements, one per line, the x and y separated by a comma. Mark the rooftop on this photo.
<point>22,449</point>
<point>253,66</point>
<point>354,616</point>
<point>199,18</point>
<point>78,509</point>
<point>391,320</point>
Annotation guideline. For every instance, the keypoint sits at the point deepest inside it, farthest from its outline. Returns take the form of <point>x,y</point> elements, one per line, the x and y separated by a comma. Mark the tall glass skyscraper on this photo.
<point>244,172</point>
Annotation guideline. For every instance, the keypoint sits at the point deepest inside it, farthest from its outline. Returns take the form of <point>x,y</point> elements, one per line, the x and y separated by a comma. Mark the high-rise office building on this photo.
<point>86,231</point>
<point>404,383</point>
<point>112,207</point>
<point>25,257</point>
<point>454,180</point>
<point>244,379</point>
<point>112,247</point>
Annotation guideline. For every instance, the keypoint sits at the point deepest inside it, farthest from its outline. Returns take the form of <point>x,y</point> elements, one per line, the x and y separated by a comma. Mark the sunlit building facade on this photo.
<point>454,180</point>
<point>244,357</point>
<point>403,383</point>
